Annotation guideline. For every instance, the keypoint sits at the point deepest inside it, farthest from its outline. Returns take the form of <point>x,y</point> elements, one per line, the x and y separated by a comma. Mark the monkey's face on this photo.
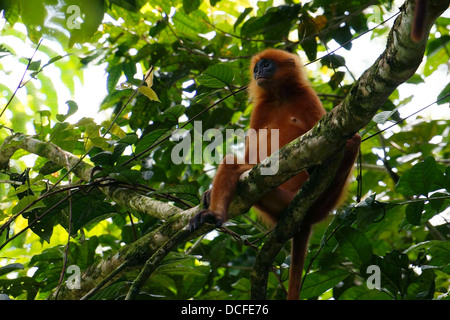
<point>263,72</point>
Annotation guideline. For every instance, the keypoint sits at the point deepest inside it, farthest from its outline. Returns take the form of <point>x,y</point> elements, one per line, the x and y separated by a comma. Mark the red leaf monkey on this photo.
<point>283,100</point>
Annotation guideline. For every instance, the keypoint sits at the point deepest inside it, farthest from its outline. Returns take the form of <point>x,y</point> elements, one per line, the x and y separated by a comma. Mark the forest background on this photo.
<point>103,84</point>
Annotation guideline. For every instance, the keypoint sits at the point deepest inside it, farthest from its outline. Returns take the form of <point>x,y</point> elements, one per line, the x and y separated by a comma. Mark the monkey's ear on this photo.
<point>291,62</point>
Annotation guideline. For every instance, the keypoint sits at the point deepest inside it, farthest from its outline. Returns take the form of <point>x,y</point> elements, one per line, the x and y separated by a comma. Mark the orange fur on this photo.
<point>283,99</point>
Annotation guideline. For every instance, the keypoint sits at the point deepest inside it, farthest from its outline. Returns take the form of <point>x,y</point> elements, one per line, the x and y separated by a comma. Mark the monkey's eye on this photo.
<point>266,64</point>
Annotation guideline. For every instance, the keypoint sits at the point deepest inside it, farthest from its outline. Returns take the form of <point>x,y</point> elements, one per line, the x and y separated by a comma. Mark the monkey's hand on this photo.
<point>204,216</point>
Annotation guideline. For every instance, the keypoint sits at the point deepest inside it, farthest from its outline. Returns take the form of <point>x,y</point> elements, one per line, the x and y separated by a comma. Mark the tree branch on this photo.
<point>290,223</point>
<point>127,198</point>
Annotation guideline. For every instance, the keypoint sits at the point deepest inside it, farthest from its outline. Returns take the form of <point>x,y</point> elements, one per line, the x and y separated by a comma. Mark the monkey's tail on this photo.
<point>420,14</point>
<point>298,254</point>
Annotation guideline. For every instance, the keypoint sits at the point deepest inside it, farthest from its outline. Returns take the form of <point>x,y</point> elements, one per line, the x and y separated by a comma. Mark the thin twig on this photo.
<point>21,80</point>
<point>412,114</point>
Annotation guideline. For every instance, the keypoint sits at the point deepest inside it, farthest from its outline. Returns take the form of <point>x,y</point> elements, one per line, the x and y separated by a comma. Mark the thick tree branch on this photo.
<point>289,224</point>
<point>127,198</point>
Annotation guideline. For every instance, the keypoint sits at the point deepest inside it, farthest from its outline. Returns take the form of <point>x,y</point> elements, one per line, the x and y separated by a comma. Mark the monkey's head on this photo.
<point>273,69</point>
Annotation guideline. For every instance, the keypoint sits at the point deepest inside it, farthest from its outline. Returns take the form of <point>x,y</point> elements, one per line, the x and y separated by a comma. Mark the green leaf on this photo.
<point>242,284</point>
<point>128,176</point>
<point>275,24</point>
<point>129,139</point>
<point>414,212</point>
<point>354,245</point>
<point>362,292</point>
<point>191,5</point>
<point>186,192</point>
<point>92,12</point>
<point>439,251</point>
<point>103,158</point>
<point>16,287</point>
<point>383,116</point>
<point>437,204</point>
<point>73,107</point>
<point>393,268</point>
<point>369,210</point>
<point>336,79</point>
<point>216,76</point>
<point>11,11</point>
<point>114,74</point>
<point>172,113</point>
<point>307,30</point>
<point>435,45</point>
<point>148,140</point>
<point>333,61</point>
<point>3,49</point>
<point>52,60</point>
<point>420,179</point>
<point>320,281</point>
<point>10,268</point>
<point>242,17</point>
<point>111,292</point>
<point>43,227</point>
<point>63,136</point>
<point>86,209</point>
<point>26,201</point>
<point>310,48</point>
<point>49,167</point>
<point>191,25</point>
<point>444,93</point>
<point>423,286</point>
<point>342,36</point>
<point>34,66</point>
<point>157,28</point>
<point>415,79</point>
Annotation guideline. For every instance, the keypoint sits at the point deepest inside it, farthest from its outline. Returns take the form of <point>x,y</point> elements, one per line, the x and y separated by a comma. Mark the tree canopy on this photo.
<point>98,207</point>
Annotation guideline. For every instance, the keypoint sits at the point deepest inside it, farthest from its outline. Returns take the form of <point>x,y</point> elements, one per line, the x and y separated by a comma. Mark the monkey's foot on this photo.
<point>204,216</point>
